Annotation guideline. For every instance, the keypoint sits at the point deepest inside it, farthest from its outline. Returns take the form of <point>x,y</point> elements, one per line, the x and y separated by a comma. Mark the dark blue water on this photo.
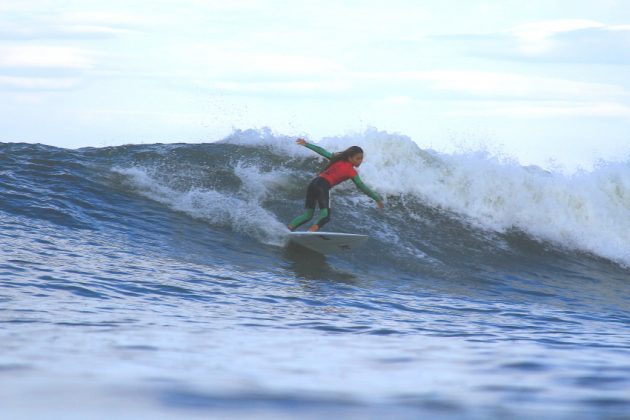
<point>153,281</point>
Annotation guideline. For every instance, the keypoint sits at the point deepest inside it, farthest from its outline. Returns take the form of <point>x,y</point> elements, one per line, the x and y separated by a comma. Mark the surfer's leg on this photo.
<point>311,198</point>
<point>323,200</point>
<point>301,219</point>
<point>324,217</point>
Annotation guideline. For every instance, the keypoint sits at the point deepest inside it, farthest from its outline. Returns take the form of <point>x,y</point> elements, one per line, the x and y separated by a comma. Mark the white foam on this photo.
<point>242,214</point>
<point>265,137</point>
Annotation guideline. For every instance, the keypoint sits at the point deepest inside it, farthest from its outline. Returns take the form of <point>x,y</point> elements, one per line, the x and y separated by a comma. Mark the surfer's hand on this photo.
<point>301,141</point>
<point>380,204</point>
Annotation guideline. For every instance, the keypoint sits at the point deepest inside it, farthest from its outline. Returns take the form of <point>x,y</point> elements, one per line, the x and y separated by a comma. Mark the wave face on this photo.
<point>253,182</point>
<point>469,247</point>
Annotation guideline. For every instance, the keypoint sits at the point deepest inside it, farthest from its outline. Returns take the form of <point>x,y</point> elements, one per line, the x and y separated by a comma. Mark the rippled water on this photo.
<point>117,302</point>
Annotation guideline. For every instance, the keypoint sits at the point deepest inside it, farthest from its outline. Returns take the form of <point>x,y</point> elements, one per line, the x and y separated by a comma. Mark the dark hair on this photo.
<point>345,155</point>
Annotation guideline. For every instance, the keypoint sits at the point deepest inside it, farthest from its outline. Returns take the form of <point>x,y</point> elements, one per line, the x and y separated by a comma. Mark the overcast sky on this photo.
<point>540,80</point>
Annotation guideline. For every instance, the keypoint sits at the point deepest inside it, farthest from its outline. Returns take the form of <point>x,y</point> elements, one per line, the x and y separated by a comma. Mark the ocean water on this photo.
<point>155,281</point>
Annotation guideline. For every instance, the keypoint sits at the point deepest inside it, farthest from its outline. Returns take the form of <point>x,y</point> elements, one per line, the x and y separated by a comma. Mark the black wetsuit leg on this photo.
<point>319,192</point>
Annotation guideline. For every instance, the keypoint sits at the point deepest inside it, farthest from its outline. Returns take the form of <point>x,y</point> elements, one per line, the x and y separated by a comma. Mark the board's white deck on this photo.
<point>327,242</point>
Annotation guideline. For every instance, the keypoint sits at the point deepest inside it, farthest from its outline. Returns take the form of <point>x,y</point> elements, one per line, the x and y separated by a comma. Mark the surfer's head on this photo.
<point>356,158</point>
<point>353,154</point>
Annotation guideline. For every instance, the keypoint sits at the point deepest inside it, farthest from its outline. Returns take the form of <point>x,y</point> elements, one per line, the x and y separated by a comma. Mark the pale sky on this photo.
<point>541,81</point>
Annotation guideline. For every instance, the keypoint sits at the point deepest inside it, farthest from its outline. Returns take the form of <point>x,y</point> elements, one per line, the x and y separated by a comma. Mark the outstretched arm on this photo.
<point>314,148</point>
<point>367,191</point>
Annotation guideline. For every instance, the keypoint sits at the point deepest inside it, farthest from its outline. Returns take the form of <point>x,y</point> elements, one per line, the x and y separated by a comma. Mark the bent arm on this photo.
<point>319,150</point>
<point>365,189</point>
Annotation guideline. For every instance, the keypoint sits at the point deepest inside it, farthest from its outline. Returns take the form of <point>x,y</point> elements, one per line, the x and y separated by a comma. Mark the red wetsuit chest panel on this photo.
<point>339,172</point>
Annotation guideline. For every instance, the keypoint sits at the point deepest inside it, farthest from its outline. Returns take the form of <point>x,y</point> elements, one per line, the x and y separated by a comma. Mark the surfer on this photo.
<point>339,169</point>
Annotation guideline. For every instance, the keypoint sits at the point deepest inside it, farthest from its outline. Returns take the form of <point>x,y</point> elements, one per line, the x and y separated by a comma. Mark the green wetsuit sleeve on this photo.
<point>365,189</point>
<point>319,150</point>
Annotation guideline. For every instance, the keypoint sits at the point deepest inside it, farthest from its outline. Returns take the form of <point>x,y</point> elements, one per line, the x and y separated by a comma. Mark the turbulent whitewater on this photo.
<point>158,278</point>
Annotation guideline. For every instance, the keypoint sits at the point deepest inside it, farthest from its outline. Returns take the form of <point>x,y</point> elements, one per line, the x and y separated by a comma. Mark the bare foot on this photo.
<point>291,228</point>
<point>313,228</point>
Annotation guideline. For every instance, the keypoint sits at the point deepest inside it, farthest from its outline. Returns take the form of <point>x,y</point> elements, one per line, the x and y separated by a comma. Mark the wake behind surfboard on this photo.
<point>327,242</point>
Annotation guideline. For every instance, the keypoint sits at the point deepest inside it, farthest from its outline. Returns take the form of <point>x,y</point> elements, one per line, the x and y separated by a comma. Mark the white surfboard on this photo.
<point>327,242</point>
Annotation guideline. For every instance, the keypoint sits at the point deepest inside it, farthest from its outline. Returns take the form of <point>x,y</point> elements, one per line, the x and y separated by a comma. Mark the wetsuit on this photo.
<point>318,191</point>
